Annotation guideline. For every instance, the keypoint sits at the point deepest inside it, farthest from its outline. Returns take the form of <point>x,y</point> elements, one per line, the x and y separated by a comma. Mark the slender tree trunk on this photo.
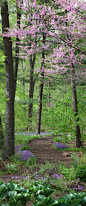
<point>1,135</point>
<point>9,120</point>
<point>77,128</point>
<point>41,89</point>
<point>32,59</point>
<point>17,48</point>
<point>48,93</point>
<point>31,91</point>
<point>40,105</point>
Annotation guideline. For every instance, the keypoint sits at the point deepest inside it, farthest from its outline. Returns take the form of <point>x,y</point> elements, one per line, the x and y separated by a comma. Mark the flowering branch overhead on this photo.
<point>65,33</point>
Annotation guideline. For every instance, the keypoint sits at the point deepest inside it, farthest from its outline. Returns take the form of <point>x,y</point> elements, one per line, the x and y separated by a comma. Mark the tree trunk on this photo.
<point>40,105</point>
<point>41,89</point>
<point>9,120</point>
<point>17,48</point>
<point>77,128</point>
<point>1,135</point>
<point>31,91</point>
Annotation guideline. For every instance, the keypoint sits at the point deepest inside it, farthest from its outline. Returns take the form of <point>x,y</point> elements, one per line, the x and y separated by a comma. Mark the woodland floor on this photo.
<point>43,150</point>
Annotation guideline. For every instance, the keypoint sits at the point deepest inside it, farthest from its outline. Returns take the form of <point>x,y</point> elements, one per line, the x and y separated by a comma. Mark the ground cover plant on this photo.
<point>81,172</point>
<point>13,194</point>
<point>25,138</point>
<point>78,165</point>
<point>63,179</point>
<point>23,153</point>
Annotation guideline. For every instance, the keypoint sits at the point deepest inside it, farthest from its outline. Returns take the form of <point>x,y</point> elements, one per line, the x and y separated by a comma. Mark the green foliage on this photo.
<point>12,168</point>
<point>24,139</point>
<point>81,172</point>
<point>39,189</point>
<point>64,138</point>
<point>59,114</point>
<point>75,149</point>
<point>61,186</point>
<point>83,158</point>
<point>1,173</point>
<point>29,161</point>
<point>17,195</point>
<point>47,167</point>
<point>73,200</point>
<point>12,194</point>
<point>42,194</point>
<point>71,149</point>
<point>25,148</point>
<point>75,160</point>
<point>69,173</point>
<point>57,110</point>
<point>46,2</point>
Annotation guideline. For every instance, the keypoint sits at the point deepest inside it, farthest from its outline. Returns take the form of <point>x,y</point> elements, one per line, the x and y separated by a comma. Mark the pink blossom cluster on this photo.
<point>65,34</point>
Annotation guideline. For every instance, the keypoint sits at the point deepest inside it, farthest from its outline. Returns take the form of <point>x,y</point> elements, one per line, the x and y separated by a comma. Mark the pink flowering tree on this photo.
<point>70,54</point>
<point>34,39</point>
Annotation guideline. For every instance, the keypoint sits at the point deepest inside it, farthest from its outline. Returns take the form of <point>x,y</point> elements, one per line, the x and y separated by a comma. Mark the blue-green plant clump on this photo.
<point>12,194</point>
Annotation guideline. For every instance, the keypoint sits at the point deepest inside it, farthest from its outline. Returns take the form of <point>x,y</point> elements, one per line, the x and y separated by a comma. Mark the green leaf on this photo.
<point>12,193</point>
<point>51,202</point>
<point>4,195</point>
<point>41,198</point>
<point>12,186</point>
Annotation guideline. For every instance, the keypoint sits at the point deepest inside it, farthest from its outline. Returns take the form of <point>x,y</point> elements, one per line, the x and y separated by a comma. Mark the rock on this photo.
<point>67,154</point>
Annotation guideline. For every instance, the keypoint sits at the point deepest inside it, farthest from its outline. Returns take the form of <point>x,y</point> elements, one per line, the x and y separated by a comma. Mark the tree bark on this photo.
<point>1,135</point>
<point>9,120</point>
<point>41,89</point>
<point>75,108</point>
<point>40,105</point>
<point>17,48</point>
<point>32,59</point>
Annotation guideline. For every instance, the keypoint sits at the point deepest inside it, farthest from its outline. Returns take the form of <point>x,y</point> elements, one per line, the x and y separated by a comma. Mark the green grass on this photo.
<point>71,149</point>
<point>24,139</point>
<point>12,168</point>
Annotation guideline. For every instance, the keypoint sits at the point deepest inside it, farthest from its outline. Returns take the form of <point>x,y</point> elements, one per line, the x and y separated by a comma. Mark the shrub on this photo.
<point>13,194</point>
<point>81,172</point>
<point>73,199</point>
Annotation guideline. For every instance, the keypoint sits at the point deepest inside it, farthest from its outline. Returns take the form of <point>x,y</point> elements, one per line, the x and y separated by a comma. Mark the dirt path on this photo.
<point>43,150</point>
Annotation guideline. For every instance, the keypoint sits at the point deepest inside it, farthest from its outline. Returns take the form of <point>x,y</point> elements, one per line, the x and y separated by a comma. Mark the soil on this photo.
<point>43,150</point>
